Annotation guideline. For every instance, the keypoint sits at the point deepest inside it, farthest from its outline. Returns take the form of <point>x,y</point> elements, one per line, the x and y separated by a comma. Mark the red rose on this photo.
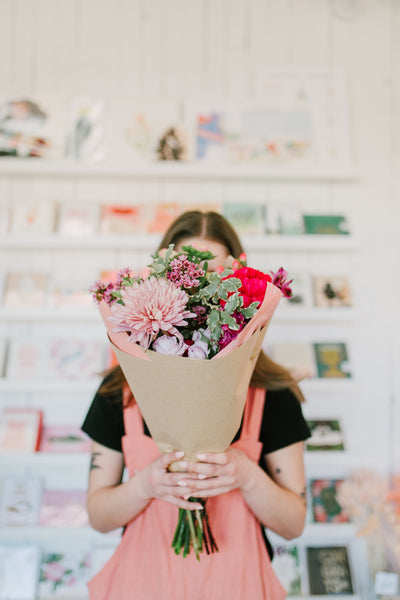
<point>254,284</point>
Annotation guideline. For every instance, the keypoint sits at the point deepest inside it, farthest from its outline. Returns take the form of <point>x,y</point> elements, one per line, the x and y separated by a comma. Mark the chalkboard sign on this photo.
<point>329,570</point>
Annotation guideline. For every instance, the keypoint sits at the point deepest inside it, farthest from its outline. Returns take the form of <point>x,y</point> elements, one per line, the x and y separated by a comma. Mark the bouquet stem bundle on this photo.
<point>193,531</point>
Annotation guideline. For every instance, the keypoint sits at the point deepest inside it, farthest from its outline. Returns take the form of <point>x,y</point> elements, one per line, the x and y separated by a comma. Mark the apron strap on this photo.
<point>253,413</point>
<point>133,421</point>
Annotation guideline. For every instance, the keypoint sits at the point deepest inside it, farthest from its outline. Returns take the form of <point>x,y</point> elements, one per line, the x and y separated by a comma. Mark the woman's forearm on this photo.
<point>277,508</point>
<point>114,506</point>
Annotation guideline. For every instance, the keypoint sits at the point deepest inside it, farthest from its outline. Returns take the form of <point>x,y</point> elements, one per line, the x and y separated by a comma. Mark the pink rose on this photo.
<point>168,344</point>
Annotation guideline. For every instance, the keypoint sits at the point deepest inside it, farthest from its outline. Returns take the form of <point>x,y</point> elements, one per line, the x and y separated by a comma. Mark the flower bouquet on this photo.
<point>187,341</point>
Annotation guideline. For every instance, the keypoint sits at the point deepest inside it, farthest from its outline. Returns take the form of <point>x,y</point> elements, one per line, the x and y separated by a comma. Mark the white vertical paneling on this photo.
<point>66,49</point>
<point>271,37</point>
<point>192,42</point>
<point>394,313</point>
<point>131,50</point>
<point>237,48</point>
<point>45,33</point>
<point>7,20</point>
<point>152,46</point>
<point>23,37</point>
<point>173,18</point>
<point>215,50</point>
<point>309,37</point>
<point>99,48</point>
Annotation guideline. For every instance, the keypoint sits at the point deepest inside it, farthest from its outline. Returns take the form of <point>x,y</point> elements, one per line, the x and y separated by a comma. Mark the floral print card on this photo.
<point>64,573</point>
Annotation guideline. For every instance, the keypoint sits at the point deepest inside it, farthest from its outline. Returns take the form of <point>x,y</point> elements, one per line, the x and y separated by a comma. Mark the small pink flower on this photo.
<point>280,280</point>
<point>53,571</point>
<point>150,306</point>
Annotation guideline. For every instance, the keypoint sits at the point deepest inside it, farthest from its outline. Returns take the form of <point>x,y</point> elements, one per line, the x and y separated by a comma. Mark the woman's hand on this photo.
<point>155,481</point>
<point>217,474</point>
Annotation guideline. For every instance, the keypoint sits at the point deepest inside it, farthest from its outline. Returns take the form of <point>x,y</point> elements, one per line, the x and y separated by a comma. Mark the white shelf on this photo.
<point>64,386</point>
<point>50,314</point>
<point>283,315</point>
<point>172,170</point>
<point>149,242</point>
<point>331,385</point>
<point>315,314</point>
<point>73,461</point>
<point>59,534</point>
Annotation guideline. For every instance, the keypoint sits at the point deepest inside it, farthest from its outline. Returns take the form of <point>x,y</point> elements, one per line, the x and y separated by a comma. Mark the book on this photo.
<point>329,570</point>
<point>326,225</point>
<point>20,430</point>
<point>86,131</point>
<point>69,291</point>
<point>25,289</point>
<point>20,501</point>
<point>120,219</point>
<point>247,218</point>
<point>286,565</point>
<point>78,219</point>
<point>32,217</point>
<point>290,221</point>
<point>63,508</point>
<point>297,357</point>
<point>76,358</point>
<point>331,291</point>
<point>326,435</point>
<point>27,358</point>
<point>301,291</point>
<point>17,559</point>
<point>324,503</point>
<point>159,217</point>
<point>64,572</point>
<point>64,439</point>
<point>332,360</point>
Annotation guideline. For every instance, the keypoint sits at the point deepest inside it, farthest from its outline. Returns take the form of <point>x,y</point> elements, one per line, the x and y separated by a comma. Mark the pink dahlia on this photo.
<point>151,306</point>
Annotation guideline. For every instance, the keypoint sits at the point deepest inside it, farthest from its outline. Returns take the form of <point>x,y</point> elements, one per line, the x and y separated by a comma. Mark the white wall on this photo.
<point>189,48</point>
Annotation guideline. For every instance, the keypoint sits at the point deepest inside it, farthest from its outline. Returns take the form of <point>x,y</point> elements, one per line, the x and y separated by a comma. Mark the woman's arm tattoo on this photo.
<point>93,464</point>
<point>303,496</point>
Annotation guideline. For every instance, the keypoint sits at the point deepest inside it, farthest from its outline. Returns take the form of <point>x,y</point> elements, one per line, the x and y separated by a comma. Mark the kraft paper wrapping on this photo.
<point>190,404</point>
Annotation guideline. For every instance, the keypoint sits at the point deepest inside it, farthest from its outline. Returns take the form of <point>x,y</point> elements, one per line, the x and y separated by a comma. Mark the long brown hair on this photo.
<point>214,227</point>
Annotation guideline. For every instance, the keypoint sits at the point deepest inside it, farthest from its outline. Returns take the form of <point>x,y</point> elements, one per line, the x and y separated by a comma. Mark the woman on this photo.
<point>258,482</point>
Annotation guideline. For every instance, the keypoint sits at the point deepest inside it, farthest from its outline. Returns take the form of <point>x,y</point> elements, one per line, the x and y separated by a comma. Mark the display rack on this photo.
<point>64,317</point>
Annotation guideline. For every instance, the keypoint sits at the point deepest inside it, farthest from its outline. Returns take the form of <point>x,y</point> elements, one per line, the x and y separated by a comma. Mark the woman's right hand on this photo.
<point>156,481</point>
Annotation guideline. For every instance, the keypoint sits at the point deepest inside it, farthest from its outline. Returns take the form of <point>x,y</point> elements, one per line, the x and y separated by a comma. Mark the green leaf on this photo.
<point>232,304</point>
<point>223,294</point>
<point>213,319</point>
<point>230,321</point>
<point>232,284</point>
<point>209,290</point>
<point>250,311</point>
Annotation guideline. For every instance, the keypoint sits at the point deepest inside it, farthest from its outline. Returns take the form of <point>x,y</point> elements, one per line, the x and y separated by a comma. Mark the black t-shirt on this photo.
<point>283,423</point>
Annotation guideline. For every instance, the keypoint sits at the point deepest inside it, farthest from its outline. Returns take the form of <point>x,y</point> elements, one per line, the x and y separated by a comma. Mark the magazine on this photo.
<point>325,506</point>
<point>20,430</point>
<point>20,501</point>
<point>326,435</point>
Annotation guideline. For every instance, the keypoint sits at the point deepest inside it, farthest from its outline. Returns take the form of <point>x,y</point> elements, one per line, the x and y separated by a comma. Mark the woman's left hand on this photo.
<point>217,473</point>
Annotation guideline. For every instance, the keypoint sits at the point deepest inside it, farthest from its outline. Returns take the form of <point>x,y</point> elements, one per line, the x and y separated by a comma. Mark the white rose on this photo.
<point>198,350</point>
<point>168,344</point>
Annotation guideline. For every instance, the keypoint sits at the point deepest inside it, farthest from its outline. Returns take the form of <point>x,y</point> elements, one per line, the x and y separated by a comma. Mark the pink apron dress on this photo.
<point>145,567</point>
